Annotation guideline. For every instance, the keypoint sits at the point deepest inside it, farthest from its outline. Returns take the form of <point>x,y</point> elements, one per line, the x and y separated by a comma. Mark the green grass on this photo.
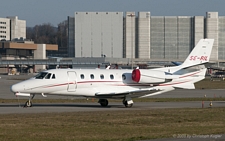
<point>127,125</point>
<point>210,84</point>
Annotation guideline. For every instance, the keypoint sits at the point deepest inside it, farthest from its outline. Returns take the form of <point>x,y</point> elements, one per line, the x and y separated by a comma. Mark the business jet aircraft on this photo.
<point>122,84</point>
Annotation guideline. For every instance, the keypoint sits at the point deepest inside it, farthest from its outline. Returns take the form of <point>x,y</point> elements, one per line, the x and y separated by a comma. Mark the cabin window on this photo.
<point>81,76</point>
<point>92,76</point>
<point>48,76</point>
<point>111,76</point>
<point>53,76</point>
<point>102,76</point>
<point>41,75</point>
<point>124,77</point>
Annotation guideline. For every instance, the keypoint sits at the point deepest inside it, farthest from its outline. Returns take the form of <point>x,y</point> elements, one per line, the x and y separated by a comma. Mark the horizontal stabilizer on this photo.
<point>185,86</point>
<point>159,92</point>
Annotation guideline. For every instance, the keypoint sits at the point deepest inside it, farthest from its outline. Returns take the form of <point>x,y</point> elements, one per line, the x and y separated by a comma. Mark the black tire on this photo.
<point>28,104</point>
<point>103,102</point>
<point>127,105</point>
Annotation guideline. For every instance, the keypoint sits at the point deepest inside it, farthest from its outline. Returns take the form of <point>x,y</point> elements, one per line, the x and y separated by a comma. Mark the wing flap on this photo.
<point>132,94</point>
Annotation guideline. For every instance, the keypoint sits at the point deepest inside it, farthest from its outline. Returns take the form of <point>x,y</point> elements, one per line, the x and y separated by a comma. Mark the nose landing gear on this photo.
<point>29,102</point>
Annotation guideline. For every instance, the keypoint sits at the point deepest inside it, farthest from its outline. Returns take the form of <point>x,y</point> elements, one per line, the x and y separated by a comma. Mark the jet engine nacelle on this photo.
<point>148,76</point>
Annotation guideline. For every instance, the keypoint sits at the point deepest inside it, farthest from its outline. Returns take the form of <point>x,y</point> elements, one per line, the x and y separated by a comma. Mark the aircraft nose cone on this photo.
<point>15,88</point>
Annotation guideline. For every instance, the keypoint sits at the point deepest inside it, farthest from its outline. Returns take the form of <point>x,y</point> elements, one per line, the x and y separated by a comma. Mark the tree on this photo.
<point>42,34</point>
<point>48,34</point>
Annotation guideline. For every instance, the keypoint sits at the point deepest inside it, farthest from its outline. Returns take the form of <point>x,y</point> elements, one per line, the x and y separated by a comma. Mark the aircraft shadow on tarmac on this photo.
<point>62,105</point>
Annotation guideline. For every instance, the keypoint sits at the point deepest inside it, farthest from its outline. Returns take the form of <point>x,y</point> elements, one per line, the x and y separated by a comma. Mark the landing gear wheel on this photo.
<point>127,105</point>
<point>28,104</point>
<point>103,102</point>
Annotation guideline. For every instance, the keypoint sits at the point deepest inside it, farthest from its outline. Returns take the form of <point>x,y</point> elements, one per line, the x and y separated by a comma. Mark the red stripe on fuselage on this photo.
<point>124,84</point>
<point>189,74</point>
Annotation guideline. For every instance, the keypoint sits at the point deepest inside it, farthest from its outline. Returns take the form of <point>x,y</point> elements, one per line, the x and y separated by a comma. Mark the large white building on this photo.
<point>4,29</point>
<point>140,35</point>
<point>99,34</point>
<point>12,28</point>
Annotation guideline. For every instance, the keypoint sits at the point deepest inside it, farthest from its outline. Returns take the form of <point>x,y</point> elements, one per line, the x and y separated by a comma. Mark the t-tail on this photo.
<point>193,68</point>
<point>200,54</point>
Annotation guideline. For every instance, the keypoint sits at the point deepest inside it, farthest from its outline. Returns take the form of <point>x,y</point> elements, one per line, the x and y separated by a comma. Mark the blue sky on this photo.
<point>55,11</point>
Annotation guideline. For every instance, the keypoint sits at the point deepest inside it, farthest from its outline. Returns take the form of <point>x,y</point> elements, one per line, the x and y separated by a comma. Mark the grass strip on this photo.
<point>127,125</point>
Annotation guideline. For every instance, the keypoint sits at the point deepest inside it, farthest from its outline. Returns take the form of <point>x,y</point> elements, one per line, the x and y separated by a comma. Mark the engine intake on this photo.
<point>148,76</point>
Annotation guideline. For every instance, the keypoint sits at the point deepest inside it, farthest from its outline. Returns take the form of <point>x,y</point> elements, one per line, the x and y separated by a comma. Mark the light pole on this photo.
<point>131,15</point>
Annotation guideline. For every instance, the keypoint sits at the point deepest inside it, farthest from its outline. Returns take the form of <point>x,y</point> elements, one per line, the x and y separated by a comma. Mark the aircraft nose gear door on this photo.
<point>72,83</point>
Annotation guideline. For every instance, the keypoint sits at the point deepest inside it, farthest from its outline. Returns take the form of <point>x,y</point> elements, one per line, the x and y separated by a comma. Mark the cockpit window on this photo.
<point>53,76</point>
<point>41,75</point>
<point>48,76</point>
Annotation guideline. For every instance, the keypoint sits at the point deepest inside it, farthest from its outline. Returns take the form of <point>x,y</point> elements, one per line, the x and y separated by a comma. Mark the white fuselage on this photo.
<point>79,82</point>
<point>89,82</point>
<point>119,83</point>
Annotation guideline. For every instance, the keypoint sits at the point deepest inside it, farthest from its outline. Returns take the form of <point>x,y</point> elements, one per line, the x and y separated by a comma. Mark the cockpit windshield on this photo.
<point>45,75</point>
<point>41,75</point>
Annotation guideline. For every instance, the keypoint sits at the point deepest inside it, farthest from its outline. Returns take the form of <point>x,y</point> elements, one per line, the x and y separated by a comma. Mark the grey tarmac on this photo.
<point>11,108</point>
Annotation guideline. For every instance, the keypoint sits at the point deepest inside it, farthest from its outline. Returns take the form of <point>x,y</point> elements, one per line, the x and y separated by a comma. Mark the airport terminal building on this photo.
<point>12,28</point>
<point>14,46</point>
<point>140,35</point>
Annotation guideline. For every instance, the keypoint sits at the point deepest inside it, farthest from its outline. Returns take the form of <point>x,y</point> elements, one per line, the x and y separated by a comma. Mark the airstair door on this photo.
<point>72,81</point>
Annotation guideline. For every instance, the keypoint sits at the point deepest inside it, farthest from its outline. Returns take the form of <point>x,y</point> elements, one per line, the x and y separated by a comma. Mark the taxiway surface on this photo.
<point>10,108</point>
<point>7,108</point>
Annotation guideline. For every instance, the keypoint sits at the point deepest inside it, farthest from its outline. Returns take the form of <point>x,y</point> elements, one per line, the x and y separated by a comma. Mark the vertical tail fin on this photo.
<point>200,54</point>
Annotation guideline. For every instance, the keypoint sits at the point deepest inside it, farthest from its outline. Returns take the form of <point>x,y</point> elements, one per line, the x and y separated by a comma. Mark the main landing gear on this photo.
<point>103,102</point>
<point>29,102</point>
<point>127,102</point>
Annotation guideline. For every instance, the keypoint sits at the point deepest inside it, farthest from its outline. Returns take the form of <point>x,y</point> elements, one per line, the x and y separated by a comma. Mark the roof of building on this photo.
<point>25,45</point>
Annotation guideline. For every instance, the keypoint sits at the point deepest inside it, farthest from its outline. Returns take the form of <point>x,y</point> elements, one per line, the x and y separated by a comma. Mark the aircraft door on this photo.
<point>72,83</point>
